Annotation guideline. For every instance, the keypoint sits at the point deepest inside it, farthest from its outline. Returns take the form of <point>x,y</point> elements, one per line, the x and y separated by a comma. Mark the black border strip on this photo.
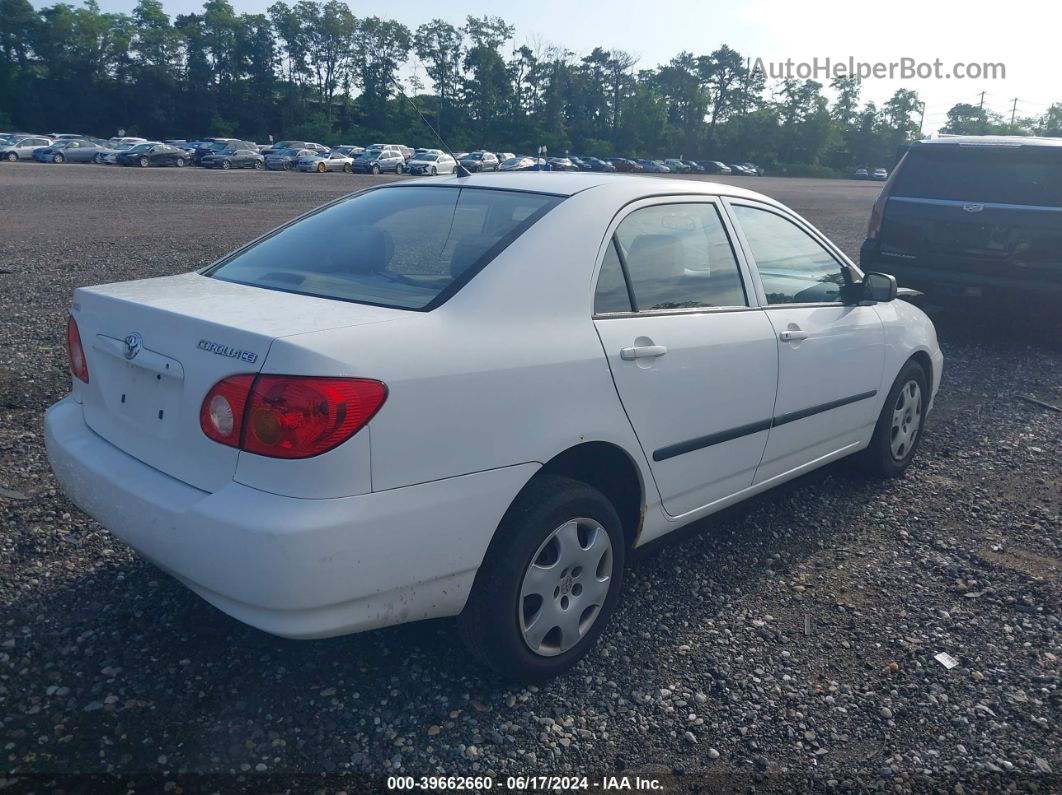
<point>673,450</point>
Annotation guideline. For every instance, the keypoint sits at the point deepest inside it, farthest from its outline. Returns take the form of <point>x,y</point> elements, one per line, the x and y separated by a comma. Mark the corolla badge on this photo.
<point>970,207</point>
<point>133,343</point>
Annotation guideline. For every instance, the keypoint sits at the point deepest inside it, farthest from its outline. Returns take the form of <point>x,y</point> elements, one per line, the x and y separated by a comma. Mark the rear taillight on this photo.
<point>877,212</point>
<point>288,416</point>
<point>75,353</point>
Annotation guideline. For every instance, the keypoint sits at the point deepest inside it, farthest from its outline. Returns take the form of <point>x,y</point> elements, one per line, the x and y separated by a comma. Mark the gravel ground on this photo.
<point>785,644</point>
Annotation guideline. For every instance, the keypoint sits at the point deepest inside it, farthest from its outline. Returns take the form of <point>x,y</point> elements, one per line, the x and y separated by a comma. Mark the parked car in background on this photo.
<point>715,167</point>
<point>503,156</point>
<point>562,164</point>
<point>597,164</point>
<point>480,161</point>
<point>153,154</point>
<point>973,217</point>
<point>739,170</point>
<point>70,150</point>
<point>880,174</point>
<point>625,165</point>
<point>695,167</point>
<point>111,158</point>
<point>527,427</point>
<point>861,173</point>
<point>377,161</point>
<point>348,150</point>
<point>677,166</point>
<point>654,167</point>
<point>222,147</point>
<point>22,148</point>
<point>238,158</point>
<point>282,145</point>
<point>115,142</point>
<point>432,162</point>
<point>579,163</point>
<point>520,163</point>
<point>333,161</point>
<point>285,159</point>
<point>753,169</point>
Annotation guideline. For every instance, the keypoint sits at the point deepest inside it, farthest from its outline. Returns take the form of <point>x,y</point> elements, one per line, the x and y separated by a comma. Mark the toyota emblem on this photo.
<point>133,343</point>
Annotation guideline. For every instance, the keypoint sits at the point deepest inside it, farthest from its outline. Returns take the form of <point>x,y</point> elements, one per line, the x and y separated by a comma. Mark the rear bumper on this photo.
<point>297,568</point>
<point>936,280</point>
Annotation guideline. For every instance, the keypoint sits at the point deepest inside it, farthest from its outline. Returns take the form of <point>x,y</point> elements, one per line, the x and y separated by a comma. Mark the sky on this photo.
<point>1020,34</point>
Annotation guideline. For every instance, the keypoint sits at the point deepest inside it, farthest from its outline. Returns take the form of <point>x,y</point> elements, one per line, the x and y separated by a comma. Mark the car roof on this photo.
<point>989,140</point>
<point>568,183</point>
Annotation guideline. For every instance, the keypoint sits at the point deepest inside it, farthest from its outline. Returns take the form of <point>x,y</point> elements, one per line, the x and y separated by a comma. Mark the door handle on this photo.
<point>792,336</point>
<point>642,352</point>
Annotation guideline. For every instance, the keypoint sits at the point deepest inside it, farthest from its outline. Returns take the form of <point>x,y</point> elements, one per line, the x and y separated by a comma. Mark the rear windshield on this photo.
<point>408,248</point>
<point>996,175</point>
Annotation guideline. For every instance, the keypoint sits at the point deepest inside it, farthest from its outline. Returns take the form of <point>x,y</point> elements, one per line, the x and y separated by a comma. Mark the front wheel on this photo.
<point>257,165</point>
<point>898,431</point>
<point>434,171</point>
<point>347,169</point>
<point>376,171</point>
<point>143,162</point>
<point>321,168</point>
<point>98,160</point>
<point>549,582</point>
<point>12,157</point>
<point>399,168</point>
<point>179,162</point>
<point>57,158</point>
<point>225,165</point>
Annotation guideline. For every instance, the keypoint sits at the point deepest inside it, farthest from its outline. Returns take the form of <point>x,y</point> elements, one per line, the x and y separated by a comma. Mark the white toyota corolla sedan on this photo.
<point>473,396</point>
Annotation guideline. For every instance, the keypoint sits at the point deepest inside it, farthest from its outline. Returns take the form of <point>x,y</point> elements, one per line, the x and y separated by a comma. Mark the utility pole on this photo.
<point>1013,111</point>
<point>921,118</point>
<point>981,106</point>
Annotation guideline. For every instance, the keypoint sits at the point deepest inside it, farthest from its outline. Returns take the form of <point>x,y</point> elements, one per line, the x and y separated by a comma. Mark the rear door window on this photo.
<point>361,248</point>
<point>993,175</point>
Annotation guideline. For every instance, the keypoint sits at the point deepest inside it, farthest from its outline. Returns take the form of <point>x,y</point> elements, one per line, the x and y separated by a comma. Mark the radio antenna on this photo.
<point>460,171</point>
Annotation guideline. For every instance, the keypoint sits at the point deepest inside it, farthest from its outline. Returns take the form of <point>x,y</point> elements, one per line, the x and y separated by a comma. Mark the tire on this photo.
<point>900,425</point>
<point>545,529</point>
<point>288,165</point>
<point>347,168</point>
<point>57,158</point>
<point>321,168</point>
<point>400,169</point>
<point>434,171</point>
<point>376,171</point>
<point>143,162</point>
<point>225,165</point>
<point>258,165</point>
<point>179,162</point>
<point>98,160</point>
<point>12,157</point>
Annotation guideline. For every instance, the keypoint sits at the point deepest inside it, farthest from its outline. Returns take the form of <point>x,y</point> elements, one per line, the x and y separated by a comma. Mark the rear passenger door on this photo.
<point>694,361</point>
<point>831,355</point>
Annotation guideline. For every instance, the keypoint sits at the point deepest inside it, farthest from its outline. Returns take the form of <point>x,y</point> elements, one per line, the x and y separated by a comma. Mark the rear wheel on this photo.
<point>12,157</point>
<point>549,582</point>
<point>98,160</point>
<point>434,171</point>
<point>399,168</point>
<point>375,171</point>
<point>57,158</point>
<point>321,168</point>
<point>143,162</point>
<point>225,165</point>
<point>898,431</point>
<point>288,165</point>
<point>347,168</point>
<point>257,165</point>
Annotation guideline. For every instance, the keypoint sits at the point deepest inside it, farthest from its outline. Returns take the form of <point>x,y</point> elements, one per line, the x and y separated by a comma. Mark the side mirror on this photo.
<point>875,288</point>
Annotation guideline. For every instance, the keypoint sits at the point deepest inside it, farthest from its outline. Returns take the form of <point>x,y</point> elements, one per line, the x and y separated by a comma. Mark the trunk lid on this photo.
<point>993,211</point>
<point>155,347</point>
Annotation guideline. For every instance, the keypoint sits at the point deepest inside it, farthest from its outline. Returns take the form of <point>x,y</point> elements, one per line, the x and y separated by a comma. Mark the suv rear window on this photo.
<point>996,175</point>
<point>405,247</point>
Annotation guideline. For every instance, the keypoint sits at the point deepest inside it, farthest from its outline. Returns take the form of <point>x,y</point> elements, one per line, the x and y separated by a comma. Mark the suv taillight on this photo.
<point>289,416</point>
<point>877,212</point>
<point>75,353</point>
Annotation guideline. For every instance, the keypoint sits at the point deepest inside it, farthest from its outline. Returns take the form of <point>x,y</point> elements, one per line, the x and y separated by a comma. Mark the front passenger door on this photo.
<point>830,355</point>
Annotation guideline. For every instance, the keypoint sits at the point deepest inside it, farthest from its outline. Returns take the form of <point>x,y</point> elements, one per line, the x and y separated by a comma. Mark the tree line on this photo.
<point>312,70</point>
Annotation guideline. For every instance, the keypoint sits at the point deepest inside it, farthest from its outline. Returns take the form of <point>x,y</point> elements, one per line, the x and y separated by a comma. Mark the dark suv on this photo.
<point>972,216</point>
